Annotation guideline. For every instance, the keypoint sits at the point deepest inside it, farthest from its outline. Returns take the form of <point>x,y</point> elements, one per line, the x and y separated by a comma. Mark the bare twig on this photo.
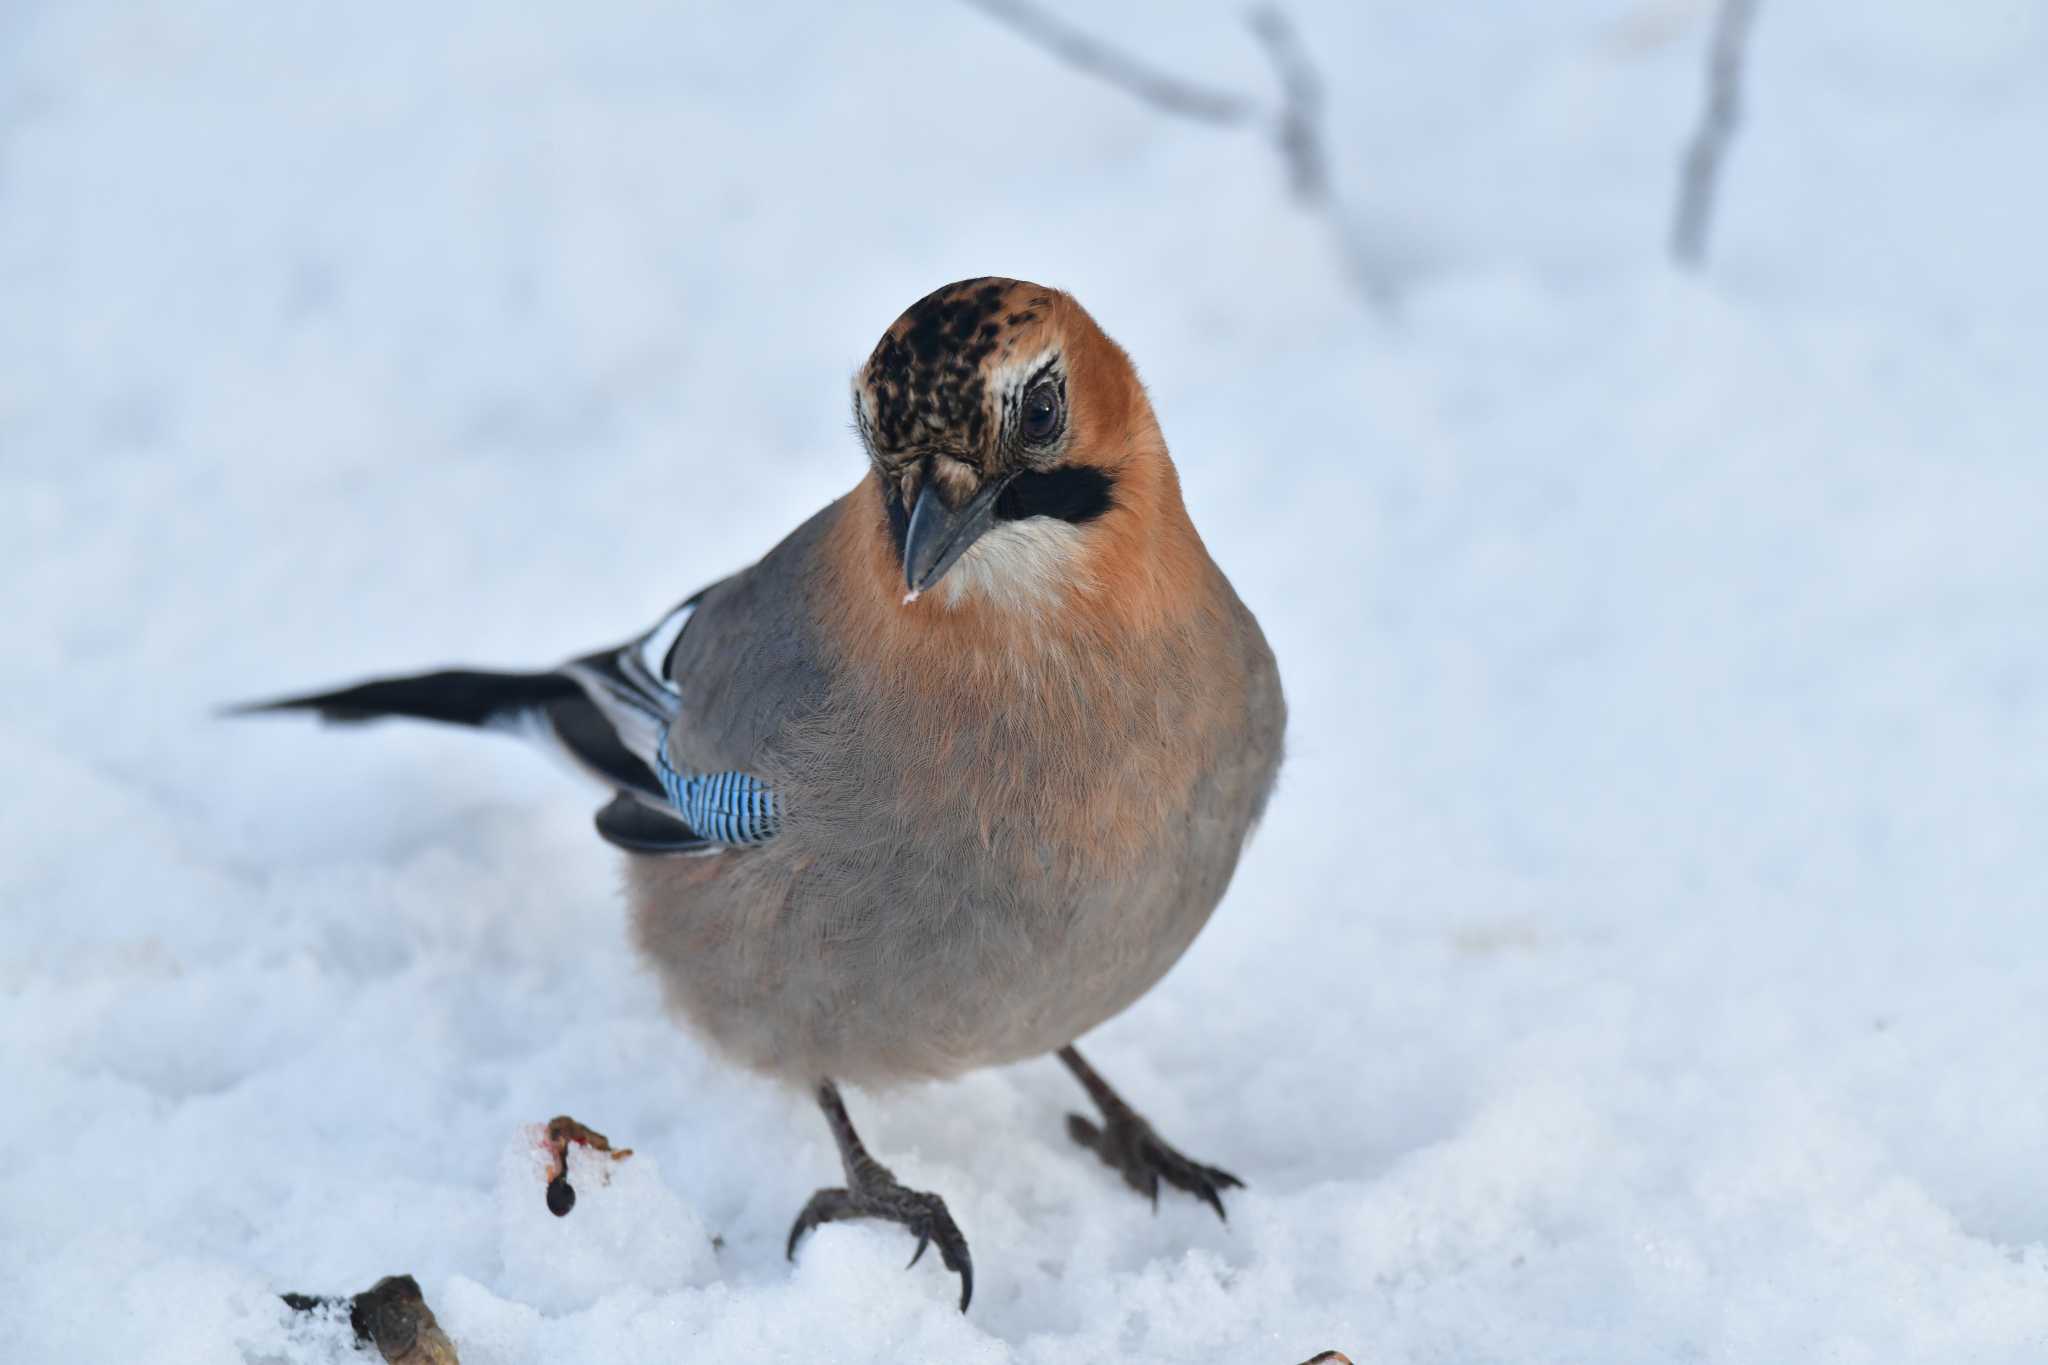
<point>1709,146</point>
<point>1156,88</point>
<point>1300,125</point>
<point>1295,127</point>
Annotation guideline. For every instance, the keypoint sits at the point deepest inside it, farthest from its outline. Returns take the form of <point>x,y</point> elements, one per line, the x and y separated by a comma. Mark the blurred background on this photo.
<point>1642,959</point>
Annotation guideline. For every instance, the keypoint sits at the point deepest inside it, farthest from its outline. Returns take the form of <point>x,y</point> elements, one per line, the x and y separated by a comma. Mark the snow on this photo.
<point>1643,958</point>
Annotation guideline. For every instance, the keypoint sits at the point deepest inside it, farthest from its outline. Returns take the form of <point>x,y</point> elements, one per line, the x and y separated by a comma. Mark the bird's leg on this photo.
<point>871,1191</point>
<point>1127,1143</point>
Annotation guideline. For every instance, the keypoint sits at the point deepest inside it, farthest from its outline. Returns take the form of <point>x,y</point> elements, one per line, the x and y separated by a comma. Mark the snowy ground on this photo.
<point>1643,960</point>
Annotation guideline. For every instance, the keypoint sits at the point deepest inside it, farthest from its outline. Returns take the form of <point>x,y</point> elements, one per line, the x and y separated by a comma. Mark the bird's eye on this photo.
<point>1041,418</point>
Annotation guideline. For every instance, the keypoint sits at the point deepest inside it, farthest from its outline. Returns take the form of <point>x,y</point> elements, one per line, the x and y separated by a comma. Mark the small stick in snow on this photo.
<point>563,1130</point>
<point>393,1316</point>
<point>1709,146</point>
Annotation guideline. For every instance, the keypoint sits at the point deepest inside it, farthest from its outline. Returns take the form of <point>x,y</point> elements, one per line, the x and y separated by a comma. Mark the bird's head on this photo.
<point>1014,449</point>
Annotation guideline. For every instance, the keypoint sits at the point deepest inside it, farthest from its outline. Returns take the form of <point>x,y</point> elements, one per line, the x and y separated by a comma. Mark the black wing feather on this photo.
<point>608,711</point>
<point>453,696</point>
<point>638,828</point>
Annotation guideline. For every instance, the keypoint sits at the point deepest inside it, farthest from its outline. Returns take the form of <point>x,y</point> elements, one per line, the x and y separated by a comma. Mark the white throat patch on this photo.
<point>1018,565</point>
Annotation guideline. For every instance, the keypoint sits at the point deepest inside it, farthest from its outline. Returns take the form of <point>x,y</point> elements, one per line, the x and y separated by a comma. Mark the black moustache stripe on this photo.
<point>1075,493</point>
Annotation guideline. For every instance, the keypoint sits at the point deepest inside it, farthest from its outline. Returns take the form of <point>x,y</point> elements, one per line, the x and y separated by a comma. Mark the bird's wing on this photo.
<point>703,700</point>
<point>549,707</point>
<point>676,721</point>
<point>635,702</point>
<point>751,666</point>
<point>631,688</point>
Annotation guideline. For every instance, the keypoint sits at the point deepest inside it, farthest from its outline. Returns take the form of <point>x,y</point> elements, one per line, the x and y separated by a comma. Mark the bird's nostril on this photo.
<point>955,479</point>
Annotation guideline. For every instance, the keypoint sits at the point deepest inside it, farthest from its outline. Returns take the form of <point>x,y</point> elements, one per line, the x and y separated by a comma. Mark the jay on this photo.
<point>955,772</point>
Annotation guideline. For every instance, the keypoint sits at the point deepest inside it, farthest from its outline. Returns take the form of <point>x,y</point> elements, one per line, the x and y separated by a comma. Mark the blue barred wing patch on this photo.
<point>731,808</point>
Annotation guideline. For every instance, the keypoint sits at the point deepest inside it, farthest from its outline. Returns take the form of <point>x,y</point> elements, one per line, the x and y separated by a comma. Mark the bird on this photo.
<point>951,775</point>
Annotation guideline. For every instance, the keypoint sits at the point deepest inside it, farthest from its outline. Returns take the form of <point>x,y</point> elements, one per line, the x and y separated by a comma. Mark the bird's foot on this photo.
<point>1126,1143</point>
<point>878,1195</point>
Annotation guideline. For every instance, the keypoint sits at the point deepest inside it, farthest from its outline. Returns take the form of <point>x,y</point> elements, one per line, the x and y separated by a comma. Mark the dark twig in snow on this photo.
<point>1709,146</point>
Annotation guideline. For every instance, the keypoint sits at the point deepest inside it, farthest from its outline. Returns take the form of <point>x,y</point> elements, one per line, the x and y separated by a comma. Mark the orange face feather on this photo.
<point>1087,522</point>
<point>1126,592</point>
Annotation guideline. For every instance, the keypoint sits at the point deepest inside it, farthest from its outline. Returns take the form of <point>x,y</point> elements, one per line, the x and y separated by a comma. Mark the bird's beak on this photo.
<point>938,535</point>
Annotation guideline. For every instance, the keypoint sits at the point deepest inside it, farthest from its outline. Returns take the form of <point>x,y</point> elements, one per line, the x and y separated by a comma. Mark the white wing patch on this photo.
<point>631,686</point>
<point>654,647</point>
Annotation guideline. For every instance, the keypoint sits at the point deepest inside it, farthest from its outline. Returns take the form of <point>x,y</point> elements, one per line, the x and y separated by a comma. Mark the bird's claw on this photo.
<point>922,1214</point>
<point>826,1206</point>
<point>1127,1144</point>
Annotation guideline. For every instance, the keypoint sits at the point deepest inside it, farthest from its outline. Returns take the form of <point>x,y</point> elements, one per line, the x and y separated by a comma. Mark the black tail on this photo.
<point>456,696</point>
